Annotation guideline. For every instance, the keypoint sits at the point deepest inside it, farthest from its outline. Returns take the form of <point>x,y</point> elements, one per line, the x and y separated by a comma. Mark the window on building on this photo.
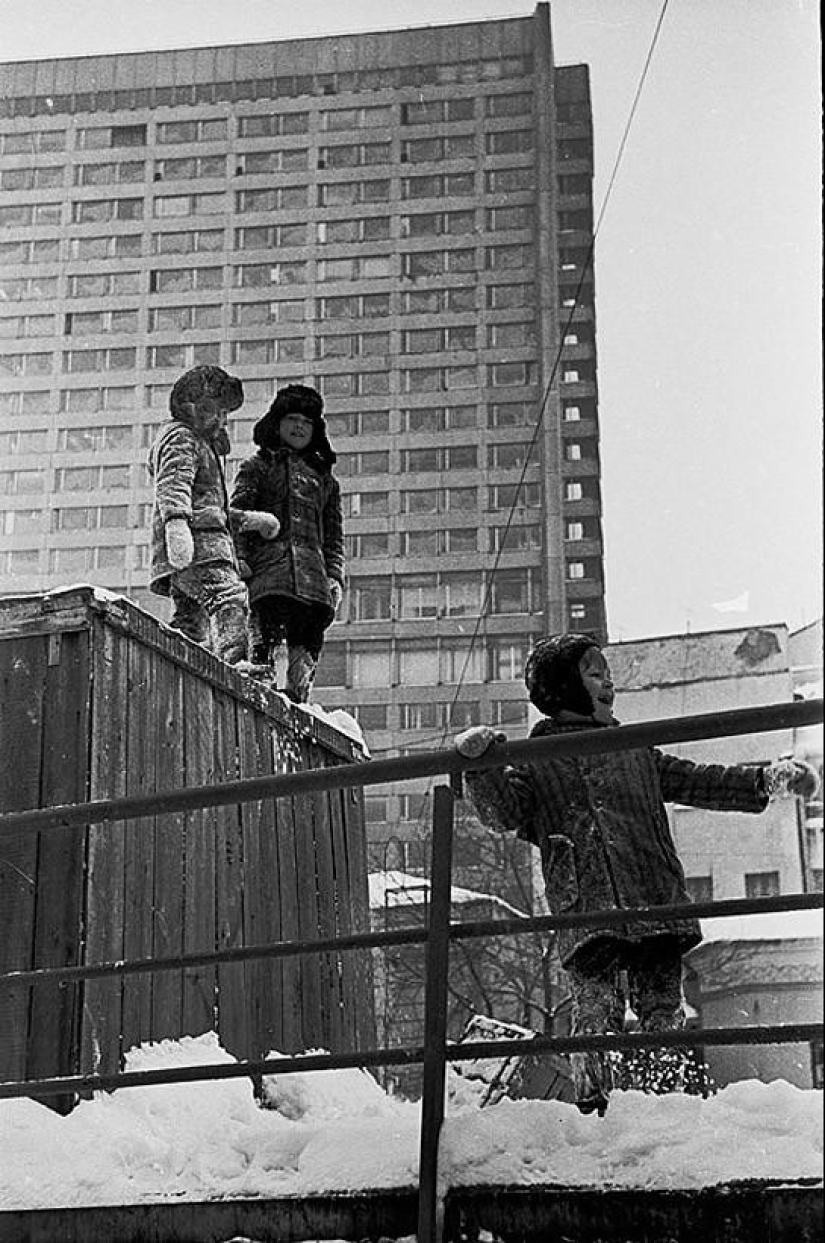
<point>507,658</point>
<point>371,666</point>
<point>700,888</point>
<point>761,884</point>
<point>103,437</point>
<point>371,599</point>
<point>371,716</point>
<point>512,455</point>
<point>513,496</point>
<point>206,129</point>
<point>513,538</point>
<point>513,591</point>
<point>418,665</point>
<point>509,711</point>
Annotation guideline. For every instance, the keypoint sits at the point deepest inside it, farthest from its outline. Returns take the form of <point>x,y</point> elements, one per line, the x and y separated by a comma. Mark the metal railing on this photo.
<point>438,933</point>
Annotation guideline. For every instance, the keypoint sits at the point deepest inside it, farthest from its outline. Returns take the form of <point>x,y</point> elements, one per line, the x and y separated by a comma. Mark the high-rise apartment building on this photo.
<point>403,219</point>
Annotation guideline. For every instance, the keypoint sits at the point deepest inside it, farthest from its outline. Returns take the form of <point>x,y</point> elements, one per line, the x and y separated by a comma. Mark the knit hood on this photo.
<point>198,396</point>
<point>552,676</point>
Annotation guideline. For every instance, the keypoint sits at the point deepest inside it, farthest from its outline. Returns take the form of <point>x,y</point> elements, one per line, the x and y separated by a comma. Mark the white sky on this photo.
<point>708,269</point>
<point>338,1131</point>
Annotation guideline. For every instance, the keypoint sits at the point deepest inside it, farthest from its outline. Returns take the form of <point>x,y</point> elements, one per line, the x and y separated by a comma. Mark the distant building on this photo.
<point>762,969</point>
<point>730,854</point>
<point>403,219</point>
<point>754,969</point>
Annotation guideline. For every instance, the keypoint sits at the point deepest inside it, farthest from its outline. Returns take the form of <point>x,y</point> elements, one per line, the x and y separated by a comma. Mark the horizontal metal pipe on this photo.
<point>412,936</point>
<point>783,1033</point>
<point>763,719</point>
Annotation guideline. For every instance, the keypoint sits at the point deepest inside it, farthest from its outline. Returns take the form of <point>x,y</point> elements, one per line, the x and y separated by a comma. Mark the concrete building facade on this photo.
<point>403,219</point>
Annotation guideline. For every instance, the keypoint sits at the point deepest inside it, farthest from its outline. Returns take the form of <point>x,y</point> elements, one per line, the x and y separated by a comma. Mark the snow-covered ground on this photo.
<point>339,1131</point>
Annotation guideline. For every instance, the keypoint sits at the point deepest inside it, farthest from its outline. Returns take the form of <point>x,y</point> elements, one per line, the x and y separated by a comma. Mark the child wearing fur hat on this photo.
<point>296,582</point>
<point>193,557</point>
<point>600,824</point>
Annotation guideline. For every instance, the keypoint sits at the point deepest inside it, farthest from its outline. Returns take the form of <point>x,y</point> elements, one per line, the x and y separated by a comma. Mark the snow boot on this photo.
<point>592,1081</point>
<point>230,637</point>
<point>300,674</point>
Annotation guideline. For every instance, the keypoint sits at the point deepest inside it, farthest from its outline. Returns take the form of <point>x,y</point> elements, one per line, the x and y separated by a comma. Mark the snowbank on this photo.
<point>338,1131</point>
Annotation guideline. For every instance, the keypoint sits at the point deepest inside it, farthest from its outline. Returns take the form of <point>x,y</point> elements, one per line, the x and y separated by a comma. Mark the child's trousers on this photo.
<point>210,607</point>
<point>654,977</point>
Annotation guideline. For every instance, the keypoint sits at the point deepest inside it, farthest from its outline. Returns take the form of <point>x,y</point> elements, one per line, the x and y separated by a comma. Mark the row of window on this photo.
<point>284,86</point>
<point>414,265</point>
<point>424,418</point>
<point>341,384</point>
<point>438,500</point>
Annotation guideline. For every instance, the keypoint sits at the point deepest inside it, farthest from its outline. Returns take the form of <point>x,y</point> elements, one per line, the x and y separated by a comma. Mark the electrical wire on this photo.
<point>586,266</point>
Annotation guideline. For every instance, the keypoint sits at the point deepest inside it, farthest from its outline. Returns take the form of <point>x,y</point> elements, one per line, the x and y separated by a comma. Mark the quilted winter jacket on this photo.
<point>189,483</point>
<point>309,549</point>
<point>600,824</point>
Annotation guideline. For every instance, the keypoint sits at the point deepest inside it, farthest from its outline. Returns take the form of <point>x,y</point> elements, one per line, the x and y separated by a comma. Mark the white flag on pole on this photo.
<point>739,604</point>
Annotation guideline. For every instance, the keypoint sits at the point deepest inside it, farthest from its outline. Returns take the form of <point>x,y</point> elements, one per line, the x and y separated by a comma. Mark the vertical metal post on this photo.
<point>430,1207</point>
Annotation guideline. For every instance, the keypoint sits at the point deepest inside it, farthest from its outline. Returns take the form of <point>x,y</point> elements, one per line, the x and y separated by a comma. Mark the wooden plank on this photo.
<point>292,1038</point>
<point>352,802</point>
<point>139,844</point>
<point>102,1022</point>
<point>349,960</point>
<point>254,895</point>
<point>200,983</point>
<point>55,1012</point>
<point>328,904</point>
<point>22,683</point>
<point>229,878</point>
<point>303,811</point>
<point>167,905</point>
<point>271,970</point>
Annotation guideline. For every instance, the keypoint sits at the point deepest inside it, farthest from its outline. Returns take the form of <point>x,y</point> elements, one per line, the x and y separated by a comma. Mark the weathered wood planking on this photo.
<point>199,930</point>
<point>106,879</point>
<point>22,685</point>
<point>54,1032</point>
<point>101,700</point>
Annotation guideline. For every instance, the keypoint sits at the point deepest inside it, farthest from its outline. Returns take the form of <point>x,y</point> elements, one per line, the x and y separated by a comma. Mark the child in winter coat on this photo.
<point>600,824</point>
<point>193,555</point>
<point>295,582</point>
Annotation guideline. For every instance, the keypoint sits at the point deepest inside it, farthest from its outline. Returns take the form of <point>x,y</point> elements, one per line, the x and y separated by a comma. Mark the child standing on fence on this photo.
<point>193,555</point>
<point>296,582</point>
<point>600,824</point>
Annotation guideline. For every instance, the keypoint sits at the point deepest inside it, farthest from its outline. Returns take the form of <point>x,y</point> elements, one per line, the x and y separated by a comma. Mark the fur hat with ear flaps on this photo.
<point>552,676</point>
<point>306,401</point>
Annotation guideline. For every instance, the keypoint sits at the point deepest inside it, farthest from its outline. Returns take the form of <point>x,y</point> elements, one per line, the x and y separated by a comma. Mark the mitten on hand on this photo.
<point>180,546</point>
<point>473,742</point>
<point>785,777</point>
<point>261,523</point>
<point>336,594</point>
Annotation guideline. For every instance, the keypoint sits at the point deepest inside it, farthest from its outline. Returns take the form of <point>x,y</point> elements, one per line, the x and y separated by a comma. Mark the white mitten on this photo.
<point>180,546</point>
<point>261,523</point>
<point>336,594</point>
<point>473,742</point>
<point>785,777</point>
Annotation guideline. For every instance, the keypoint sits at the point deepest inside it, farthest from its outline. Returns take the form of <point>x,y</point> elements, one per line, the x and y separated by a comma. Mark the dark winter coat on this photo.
<point>309,548</point>
<point>600,824</point>
<point>189,483</point>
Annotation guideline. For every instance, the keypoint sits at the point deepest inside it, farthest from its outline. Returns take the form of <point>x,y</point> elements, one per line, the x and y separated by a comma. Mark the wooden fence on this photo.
<point>99,700</point>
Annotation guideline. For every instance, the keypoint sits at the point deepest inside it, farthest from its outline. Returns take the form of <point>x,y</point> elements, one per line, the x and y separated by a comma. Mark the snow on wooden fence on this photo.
<point>99,700</point>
